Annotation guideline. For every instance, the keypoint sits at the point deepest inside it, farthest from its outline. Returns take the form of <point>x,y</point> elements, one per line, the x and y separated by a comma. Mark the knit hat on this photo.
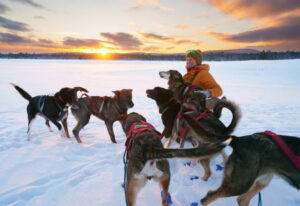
<point>196,55</point>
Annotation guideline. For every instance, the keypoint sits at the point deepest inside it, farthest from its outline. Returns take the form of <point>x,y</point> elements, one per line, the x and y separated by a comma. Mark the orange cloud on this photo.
<point>154,36</point>
<point>288,29</point>
<point>255,8</point>
<point>181,26</point>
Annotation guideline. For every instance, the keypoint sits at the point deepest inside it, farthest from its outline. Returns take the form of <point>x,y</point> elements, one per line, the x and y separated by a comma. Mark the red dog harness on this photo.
<point>294,158</point>
<point>205,113</point>
<point>137,128</point>
<point>94,104</point>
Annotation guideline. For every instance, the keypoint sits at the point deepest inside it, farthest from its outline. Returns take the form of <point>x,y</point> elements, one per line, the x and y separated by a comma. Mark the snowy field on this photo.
<point>54,171</point>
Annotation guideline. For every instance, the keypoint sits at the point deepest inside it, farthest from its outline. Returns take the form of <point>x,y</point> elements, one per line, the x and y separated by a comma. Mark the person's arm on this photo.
<point>206,81</point>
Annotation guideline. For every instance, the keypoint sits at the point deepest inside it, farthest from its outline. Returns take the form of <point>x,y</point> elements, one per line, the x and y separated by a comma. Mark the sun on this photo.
<point>102,51</point>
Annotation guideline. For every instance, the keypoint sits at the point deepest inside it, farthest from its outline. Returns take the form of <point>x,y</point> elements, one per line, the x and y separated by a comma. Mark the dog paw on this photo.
<point>62,133</point>
<point>78,140</point>
<point>205,178</point>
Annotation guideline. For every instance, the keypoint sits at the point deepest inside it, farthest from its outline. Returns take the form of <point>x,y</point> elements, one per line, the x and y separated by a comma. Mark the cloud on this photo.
<point>288,29</point>
<point>254,8</point>
<point>39,17</point>
<point>3,9</point>
<point>185,41</point>
<point>124,40</point>
<point>13,39</point>
<point>75,42</point>
<point>151,48</point>
<point>151,4</point>
<point>154,36</point>
<point>30,3</point>
<point>13,25</point>
<point>181,26</point>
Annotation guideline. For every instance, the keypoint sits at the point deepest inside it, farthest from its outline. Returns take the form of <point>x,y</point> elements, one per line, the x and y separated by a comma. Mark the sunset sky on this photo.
<point>154,26</point>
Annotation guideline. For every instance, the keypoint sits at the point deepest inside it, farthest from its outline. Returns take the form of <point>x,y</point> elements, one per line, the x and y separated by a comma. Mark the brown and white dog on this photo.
<point>251,166</point>
<point>175,126</point>
<point>52,108</point>
<point>142,137</point>
<point>105,108</point>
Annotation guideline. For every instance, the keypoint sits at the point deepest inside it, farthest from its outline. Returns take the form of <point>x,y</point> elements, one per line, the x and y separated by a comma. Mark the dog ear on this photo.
<point>117,92</point>
<point>80,89</point>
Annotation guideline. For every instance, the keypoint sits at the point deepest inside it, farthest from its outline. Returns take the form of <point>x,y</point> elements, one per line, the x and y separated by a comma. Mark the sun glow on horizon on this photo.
<point>102,51</point>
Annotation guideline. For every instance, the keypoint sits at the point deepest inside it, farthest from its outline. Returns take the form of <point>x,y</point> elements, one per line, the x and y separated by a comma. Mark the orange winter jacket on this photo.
<point>204,80</point>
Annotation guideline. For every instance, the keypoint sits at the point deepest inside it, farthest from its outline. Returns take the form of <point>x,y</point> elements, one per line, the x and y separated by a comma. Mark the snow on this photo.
<point>51,170</point>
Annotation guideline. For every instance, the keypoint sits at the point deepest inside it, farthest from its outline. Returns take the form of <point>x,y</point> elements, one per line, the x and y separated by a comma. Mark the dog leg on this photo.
<point>234,182</point>
<point>260,183</point>
<point>194,161</point>
<point>30,122</point>
<point>165,182</point>
<point>109,126</point>
<point>65,124</point>
<point>169,142</point>
<point>76,130</point>
<point>132,188</point>
<point>48,125</point>
<point>173,137</point>
<point>207,172</point>
<point>58,126</point>
<point>82,120</point>
<point>181,144</point>
<point>225,157</point>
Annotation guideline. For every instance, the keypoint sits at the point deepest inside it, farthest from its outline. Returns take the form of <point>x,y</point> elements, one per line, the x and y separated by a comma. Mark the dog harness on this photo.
<point>205,113</point>
<point>94,103</point>
<point>137,128</point>
<point>41,104</point>
<point>294,158</point>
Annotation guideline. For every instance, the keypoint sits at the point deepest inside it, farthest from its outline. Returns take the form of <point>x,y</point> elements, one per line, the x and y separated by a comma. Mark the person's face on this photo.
<point>190,62</point>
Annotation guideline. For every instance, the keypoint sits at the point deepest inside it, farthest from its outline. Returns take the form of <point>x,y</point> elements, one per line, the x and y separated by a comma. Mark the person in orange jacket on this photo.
<point>198,75</point>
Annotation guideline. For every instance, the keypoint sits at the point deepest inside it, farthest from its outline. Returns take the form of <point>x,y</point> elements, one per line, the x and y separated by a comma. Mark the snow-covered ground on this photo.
<point>51,170</point>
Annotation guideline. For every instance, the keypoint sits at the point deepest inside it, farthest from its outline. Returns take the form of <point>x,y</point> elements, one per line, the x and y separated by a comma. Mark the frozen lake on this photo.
<point>51,170</point>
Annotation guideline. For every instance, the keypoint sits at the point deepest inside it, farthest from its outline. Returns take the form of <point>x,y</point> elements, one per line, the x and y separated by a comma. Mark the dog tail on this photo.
<point>22,92</point>
<point>200,152</point>
<point>235,110</point>
<point>201,129</point>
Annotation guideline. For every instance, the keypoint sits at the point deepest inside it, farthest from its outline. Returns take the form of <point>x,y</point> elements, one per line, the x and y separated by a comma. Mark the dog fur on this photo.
<point>179,87</point>
<point>251,166</point>
<point>138,168</point>
<point>210,123</point>
<point>112,108</point>
<point>52,107</point>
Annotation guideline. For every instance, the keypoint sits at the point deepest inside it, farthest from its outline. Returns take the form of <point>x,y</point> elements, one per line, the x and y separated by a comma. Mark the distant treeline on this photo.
<point>208,56</point>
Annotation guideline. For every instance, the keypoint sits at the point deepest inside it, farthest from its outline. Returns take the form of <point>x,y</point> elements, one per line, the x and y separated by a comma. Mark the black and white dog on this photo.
<point>52,108</point>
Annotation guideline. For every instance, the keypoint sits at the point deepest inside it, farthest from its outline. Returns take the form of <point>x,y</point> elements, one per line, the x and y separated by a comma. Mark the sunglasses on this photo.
<point>190,52</point>
<point>193,52</point>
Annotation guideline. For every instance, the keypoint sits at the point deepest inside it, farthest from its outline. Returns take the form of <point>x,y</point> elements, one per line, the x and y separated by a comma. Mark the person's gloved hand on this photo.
<point>205,93</point>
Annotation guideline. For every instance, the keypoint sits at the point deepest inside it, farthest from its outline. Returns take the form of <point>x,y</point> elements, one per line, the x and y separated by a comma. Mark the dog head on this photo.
<point>68,96</point>
<point>173,77</point>
<point>159,95</point>
<point>129,119</point>
<point>124,96</point>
